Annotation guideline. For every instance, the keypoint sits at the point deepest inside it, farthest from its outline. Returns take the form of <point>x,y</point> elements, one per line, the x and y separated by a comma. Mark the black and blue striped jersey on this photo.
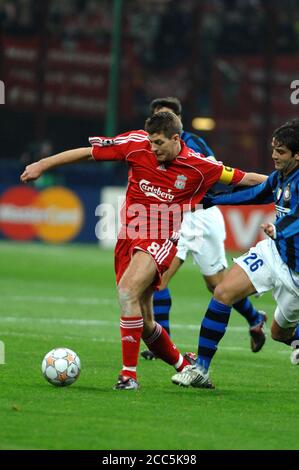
<point>284,192</point>
<point>197,144</point>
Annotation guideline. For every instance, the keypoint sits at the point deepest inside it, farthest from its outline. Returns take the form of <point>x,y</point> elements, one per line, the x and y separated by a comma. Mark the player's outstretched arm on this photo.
<point>250,179</point>
<point>35,170</point>
<point>257,194</point>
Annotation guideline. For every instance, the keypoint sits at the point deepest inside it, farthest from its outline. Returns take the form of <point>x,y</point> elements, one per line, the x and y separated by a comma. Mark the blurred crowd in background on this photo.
<point>229,26</point>
<point>232,60</point>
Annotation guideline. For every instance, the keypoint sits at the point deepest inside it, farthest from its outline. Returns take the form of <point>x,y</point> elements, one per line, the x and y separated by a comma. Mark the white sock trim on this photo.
<point>179,363</point>
<point>131,369</point>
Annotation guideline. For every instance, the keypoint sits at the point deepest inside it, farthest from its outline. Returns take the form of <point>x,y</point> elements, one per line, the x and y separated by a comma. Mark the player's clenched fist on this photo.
<point>270,230</point>
<point>32,172</point>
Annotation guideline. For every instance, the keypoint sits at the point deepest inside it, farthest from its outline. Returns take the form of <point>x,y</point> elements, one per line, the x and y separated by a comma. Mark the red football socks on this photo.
<point>130,330</point>
<point>161,345</point>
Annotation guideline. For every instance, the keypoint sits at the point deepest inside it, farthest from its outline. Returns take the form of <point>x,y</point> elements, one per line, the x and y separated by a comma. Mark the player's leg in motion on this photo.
<point>288,334</point>
<point>133,293</point>
<point>135,280</point>
<point>235,285</point>
<point>162,302</point>
<point>285,325</point>
<point>156,337</point>
<point>211,260</point>
<point>162,297</point>
<point>255,318</point>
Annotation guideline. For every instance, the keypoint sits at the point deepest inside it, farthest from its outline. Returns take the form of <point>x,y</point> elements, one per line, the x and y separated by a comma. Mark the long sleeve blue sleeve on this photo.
<point>259,194</point>
<point>197,144</point>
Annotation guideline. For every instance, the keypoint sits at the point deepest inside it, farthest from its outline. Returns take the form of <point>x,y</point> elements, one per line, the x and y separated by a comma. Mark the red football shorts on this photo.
<point>162,251</point>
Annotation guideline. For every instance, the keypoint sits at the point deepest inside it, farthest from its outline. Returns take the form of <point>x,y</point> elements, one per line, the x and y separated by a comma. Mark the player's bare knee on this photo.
<point>222,294</point>
<point>215,279</point>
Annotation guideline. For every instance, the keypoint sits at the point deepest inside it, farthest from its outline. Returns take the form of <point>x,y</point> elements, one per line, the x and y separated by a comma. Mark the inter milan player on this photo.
<point>164,177</point>
<point>273,264</point>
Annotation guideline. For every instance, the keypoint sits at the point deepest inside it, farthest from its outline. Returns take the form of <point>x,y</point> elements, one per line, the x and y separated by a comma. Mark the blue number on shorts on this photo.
<point>256,264</point>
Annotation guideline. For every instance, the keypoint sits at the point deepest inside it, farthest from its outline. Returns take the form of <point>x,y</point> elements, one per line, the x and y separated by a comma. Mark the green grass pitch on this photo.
<point>65,296</point>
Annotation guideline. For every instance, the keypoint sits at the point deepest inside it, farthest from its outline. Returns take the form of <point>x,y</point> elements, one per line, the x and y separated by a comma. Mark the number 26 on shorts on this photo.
<point>253,261</point>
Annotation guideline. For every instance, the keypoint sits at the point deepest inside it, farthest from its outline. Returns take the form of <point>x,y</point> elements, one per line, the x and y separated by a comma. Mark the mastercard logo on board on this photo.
<point>54,214</point>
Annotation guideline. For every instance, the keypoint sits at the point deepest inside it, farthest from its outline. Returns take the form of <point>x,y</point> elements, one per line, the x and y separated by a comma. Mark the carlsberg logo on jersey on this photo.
<point>150,190</point>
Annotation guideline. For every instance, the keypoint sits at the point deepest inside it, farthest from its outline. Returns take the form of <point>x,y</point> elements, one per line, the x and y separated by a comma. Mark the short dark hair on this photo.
<point>288,135</point>
<point>164,122</point>
<point>170,102</point>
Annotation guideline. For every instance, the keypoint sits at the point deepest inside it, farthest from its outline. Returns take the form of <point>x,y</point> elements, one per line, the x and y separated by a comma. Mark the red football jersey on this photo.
<point>157,194</point>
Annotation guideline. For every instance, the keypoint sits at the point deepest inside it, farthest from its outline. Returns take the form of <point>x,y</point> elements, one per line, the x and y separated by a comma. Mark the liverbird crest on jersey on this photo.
<point>180,182</point>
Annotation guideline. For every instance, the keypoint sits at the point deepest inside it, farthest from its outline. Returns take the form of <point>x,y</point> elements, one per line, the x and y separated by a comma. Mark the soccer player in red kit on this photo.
<point>165,177</point>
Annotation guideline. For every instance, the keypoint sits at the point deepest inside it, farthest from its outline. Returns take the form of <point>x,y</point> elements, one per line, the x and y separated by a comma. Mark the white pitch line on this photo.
<point>99,301</point>
<point>67,337</point>
<point>62,300</point>
<point>62,321</point>
<point>93,322</point>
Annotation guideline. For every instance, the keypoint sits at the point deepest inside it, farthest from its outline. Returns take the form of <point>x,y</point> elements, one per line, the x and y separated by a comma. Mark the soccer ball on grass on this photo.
<point>61,367</point>
<point>295,357</point>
